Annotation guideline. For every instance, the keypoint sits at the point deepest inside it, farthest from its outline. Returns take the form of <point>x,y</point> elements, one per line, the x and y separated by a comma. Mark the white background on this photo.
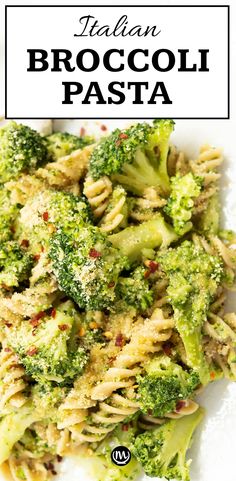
<point>213,449</point>
<point>49,28</point>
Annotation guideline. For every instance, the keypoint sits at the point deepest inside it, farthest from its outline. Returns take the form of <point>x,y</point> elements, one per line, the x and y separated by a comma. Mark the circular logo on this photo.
<point>121,455</point>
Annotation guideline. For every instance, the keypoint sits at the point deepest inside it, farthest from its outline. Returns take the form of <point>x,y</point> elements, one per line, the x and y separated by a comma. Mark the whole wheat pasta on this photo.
<point>12,380</point>
<point>66,170</point>
<point>98,193</point>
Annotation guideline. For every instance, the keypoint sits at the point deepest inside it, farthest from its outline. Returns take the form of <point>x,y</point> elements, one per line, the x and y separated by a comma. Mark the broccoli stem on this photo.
<point>12,428</point>
<point>194,353</point>
<point>148,235</point>
<point>179,441</point>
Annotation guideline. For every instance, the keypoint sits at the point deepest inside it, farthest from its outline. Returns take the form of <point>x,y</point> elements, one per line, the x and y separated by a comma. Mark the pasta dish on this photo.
<point>114,271</point>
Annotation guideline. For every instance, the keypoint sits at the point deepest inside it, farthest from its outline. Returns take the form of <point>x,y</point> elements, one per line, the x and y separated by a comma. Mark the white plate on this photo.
<point>213,448</point>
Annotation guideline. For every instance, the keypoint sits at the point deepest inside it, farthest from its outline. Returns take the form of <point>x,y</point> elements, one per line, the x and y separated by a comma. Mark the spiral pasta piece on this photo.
<point>98,193</point>
<point>177,162</point>
<point>28,469</point>
<point>220,342</point>
<point>215,246</point>
<point>145,340</point>
<point>57,440</point>
<point>12,380</point>
<point>207,163</point>
<point>66,170</point>
<point>143,207</point>
<point>28,302</point>
<point>188,406</point>
<point>116,212</point>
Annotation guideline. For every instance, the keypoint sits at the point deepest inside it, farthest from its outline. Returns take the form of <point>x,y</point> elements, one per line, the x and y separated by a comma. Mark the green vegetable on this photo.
<point>162,451</point>
<point>15,264</point>
<point>180,203</point>
<point>86,266</point>
<point>46,212</point>
<point>135,157</point>
<point>135,290</point>
<point>47,346</point>
<point>148,235</point>
<point>60,144</point>
<point>22,149</point>
<point>8,213</point>
<point>194,276</point>
<point>164,384</point>
<point>13,426</point>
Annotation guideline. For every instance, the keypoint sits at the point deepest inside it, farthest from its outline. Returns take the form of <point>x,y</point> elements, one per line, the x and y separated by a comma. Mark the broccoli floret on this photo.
<point>13,426</point>
<point>163,385</point>
<point>86,266</point>
<point>47,347</point>
<point>162,451</point>
<point>42,405</point>
<point>60,144</point>
<point>148,235</point>
<point>22,149</point>
<point>180,203</point>
<point>47,211</point>
<point>135,157</point>
<point>15,264</point>
<point>8,213</point>
<point>135,290</point>
<point>194,276</point>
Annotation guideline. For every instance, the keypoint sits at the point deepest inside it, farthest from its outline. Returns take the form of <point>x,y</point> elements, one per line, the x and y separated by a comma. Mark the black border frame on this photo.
<point>126,118</point>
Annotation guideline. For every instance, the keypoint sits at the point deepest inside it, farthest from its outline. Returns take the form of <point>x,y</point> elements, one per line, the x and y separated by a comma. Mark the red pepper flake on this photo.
<point>82,131</point>
<point>8,324</point>
<point>59,458</point>
<point>111,284</point>
<point>39,315</point>
<point>42,249</point>
<point>147,274</point>
<point>103,127</point>
<point>94,253</point>
<point>180,405</point>
<point>36,257</point>
<point>7,349</point>
<point>167,349</point>
<point>53,313</point>
<point>32,351</point>
<point>153,266</point>
<point>212,375</point>
<point>12,229</point>
<point>119,340</point>
<point>34,322</point>
<point>123,136</point>
<point>111,359</point>
<point>49,466</point>
<point>125,427</point>
<point>45,216</point>
<point>63,327</point>
<point>118,143</point>
<point>24,243</point>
